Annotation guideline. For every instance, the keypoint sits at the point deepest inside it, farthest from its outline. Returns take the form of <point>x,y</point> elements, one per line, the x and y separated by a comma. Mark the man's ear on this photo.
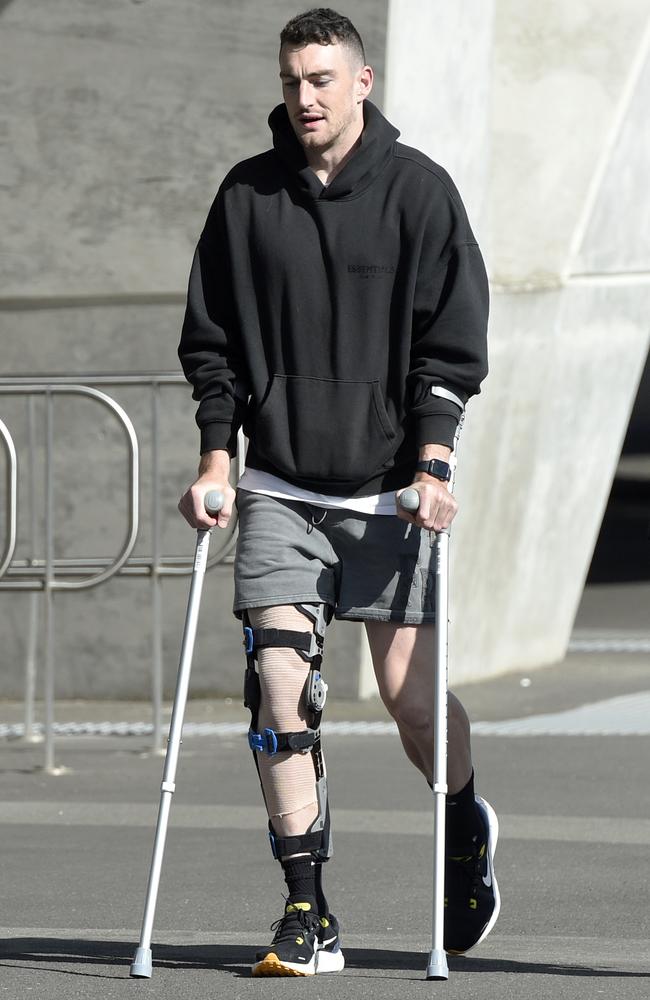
<point>366,78</point>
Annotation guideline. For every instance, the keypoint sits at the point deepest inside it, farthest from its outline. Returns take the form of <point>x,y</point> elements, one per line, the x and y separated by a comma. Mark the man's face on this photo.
<point>324,88</point>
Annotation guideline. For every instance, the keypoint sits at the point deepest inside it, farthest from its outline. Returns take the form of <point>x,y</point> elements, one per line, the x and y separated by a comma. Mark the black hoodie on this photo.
<point>321,317</point>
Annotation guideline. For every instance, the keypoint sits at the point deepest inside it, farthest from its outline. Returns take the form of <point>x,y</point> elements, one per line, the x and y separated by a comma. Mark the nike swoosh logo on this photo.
<point>487,879</point>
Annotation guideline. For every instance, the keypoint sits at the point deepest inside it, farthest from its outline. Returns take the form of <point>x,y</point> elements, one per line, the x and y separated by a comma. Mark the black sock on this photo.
<point>323,908</point>
<point>300,876</point>
<point>464,826</point>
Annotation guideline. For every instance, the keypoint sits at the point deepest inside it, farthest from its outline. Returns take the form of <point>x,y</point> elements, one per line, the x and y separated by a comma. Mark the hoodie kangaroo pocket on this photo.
<point>317,428</point>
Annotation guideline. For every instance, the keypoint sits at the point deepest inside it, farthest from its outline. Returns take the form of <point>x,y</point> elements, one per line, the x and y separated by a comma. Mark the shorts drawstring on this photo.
<point>314,522</point>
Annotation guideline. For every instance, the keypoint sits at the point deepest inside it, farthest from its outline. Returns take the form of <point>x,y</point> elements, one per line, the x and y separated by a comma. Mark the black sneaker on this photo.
<point>294,949</point>
<point>472,900</point>
<point>330,957</point>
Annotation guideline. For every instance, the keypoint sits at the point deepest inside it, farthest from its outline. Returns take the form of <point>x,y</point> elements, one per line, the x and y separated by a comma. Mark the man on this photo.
<point>337,308</point>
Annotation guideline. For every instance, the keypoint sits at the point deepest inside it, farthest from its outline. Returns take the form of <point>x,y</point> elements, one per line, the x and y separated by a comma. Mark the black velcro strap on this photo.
<point>285,846</point>
<point>298,741</point>
<point>282,637</point>
<point>270,742</point>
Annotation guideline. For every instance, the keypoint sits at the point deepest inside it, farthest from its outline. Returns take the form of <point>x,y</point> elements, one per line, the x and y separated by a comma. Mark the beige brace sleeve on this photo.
<point>288,779</point>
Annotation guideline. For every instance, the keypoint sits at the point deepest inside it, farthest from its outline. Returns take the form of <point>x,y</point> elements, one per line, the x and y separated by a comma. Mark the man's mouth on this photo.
<point>310,121</point>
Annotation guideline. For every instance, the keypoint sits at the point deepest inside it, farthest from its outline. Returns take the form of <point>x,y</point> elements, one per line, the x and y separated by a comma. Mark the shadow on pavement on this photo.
<point>237,959</point>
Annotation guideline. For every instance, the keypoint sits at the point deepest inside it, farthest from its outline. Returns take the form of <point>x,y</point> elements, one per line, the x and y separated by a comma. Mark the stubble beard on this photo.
<point>313,143</point>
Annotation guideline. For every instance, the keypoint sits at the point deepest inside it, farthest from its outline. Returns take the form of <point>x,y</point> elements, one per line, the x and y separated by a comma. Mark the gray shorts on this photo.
<point>367,567</point>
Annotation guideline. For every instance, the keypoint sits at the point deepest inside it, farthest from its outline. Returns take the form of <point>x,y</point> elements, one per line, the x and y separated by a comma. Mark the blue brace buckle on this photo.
<point>248,639</point>
<point>274,850</point>
<point>266,742</point>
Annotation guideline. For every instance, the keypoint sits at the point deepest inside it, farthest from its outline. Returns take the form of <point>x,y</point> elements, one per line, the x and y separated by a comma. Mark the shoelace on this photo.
<point>472,865</point>
<point>306,920</point>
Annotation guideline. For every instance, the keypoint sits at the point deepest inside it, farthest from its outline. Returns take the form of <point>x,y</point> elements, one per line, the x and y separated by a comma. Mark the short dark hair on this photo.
<point>323,26</point>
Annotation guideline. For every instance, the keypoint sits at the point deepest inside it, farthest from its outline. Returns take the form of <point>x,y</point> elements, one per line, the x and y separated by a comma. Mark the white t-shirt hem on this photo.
<point>256,481</point>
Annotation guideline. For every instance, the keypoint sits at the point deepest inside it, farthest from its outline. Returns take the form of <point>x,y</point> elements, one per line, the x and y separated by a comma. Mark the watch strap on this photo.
<point>437,468</point>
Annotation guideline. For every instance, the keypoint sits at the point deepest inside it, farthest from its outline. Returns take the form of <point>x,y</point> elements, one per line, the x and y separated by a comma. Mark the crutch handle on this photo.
<point>409,500</point>
<point>213,502</point>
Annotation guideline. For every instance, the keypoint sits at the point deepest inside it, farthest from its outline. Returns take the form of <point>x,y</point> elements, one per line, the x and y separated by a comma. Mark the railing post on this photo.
<point>29,735</point>
<point>49,580</point>
<point>156,577</point>
<point>11,491</point>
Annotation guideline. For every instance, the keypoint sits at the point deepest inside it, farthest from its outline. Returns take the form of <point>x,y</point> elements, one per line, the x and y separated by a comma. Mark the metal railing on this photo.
<point>12,497</point>
<point>49,574</point>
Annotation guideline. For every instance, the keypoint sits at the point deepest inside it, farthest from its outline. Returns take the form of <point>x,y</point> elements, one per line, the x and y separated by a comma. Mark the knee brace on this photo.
<point>309,645</point>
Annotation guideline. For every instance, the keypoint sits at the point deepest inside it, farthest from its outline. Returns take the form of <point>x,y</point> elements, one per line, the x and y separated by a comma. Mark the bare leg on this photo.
<point>402,657</point>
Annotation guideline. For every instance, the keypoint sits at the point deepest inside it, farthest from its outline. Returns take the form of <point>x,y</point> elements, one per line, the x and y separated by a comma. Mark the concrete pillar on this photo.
<point>554,179</point>
<point>437,87</point>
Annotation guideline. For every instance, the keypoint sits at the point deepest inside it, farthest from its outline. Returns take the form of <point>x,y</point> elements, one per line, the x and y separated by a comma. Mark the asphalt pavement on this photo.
<point>562,755</point>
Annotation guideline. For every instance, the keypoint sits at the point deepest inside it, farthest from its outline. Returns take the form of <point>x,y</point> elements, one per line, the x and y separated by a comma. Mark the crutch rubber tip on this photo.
<point>213,502</point>
<point>409,500</point>
<point>141,966</point>
<point>437,967</point>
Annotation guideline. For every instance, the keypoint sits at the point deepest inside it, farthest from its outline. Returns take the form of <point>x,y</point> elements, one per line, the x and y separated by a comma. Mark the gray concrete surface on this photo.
<point>538,122</point>
<point>118,123</point>
<point>571,863</point>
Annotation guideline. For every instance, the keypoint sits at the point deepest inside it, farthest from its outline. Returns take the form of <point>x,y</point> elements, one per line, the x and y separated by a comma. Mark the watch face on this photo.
<point>439,469</point>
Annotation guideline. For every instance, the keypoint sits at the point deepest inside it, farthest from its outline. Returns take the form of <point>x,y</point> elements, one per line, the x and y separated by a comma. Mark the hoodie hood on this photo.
<point>371,156</point>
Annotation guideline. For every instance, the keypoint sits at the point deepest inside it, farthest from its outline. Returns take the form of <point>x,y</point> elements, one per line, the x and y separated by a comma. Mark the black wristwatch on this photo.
<point>437,468</point>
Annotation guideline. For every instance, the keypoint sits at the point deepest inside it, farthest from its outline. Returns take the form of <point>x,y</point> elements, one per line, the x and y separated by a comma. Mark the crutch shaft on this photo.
<point>141,967</point>
<point>409,500</point>
<point>437,965</point>
<point>142,962</point>
<point>187,652</point>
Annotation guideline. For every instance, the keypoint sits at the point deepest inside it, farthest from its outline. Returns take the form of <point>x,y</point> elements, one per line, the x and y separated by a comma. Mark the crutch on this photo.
<point>410,500</point>
<point>141,965</point>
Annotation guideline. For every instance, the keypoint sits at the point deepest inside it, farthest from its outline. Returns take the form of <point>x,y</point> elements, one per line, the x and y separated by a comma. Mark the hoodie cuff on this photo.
<point>218,435</point>
<point>436,428</point>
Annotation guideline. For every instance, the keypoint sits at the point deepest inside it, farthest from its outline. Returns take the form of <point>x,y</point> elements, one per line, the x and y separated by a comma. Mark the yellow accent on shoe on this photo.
<point>294,907</point>
<point>473,904</point>
<point>468,857</point>
<point>272,966</point>
<point>324,922</point>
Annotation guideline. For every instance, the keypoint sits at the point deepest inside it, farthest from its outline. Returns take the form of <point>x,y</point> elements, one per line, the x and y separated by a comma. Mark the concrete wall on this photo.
<point>556,188</point>
<point>118,121</point>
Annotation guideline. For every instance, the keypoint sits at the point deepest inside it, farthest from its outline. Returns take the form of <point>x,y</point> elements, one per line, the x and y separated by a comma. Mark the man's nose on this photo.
<point>305,94</point>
